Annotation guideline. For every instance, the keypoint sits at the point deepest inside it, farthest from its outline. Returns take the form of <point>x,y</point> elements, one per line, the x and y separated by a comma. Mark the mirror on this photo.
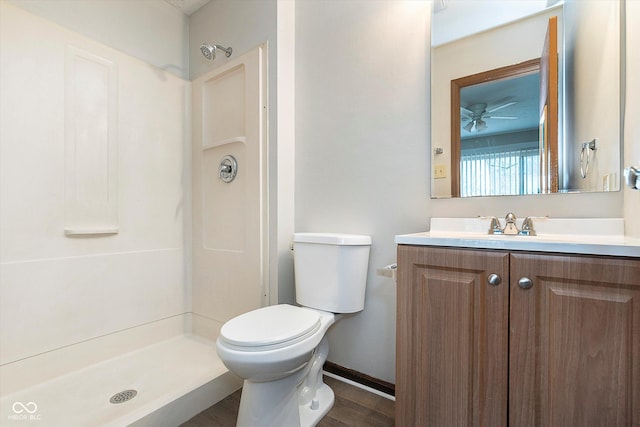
<point>494,142</point>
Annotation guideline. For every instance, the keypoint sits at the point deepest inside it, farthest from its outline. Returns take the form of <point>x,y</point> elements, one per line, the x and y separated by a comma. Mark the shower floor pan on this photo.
<point>173,380</point>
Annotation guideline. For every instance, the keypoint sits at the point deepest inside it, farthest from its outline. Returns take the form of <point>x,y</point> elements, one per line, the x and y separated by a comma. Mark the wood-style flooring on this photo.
<point>353,407</point>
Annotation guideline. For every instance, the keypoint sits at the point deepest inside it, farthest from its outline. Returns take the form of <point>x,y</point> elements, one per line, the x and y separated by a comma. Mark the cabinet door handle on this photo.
<point>525,283</point>
<point>494,279</point>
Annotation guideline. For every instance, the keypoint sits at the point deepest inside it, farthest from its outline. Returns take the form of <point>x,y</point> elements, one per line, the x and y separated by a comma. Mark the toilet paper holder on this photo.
<point>388,271</point>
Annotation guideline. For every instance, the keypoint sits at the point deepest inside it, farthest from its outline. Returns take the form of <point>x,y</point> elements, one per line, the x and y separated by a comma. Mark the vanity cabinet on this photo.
<point>496,338</point>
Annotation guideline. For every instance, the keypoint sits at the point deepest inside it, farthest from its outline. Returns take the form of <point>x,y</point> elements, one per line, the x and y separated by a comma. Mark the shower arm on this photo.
<point>227,50</point>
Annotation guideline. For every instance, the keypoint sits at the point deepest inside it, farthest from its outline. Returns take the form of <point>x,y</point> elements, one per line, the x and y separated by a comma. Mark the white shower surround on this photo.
<point>80,313</point>
<point>229,227</point>
<point>176,375</point>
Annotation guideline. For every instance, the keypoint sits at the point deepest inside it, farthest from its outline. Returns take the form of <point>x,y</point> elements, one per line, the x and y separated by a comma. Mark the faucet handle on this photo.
<point>527,227</point>
<point>494,226</point>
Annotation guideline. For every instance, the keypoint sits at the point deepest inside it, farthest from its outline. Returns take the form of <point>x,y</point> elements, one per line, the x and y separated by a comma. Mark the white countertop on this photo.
<point>597,236</point>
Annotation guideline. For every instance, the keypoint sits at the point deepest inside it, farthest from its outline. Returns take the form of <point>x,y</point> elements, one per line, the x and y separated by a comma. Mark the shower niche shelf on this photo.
<point>70,232</point>
<point>220,142</point>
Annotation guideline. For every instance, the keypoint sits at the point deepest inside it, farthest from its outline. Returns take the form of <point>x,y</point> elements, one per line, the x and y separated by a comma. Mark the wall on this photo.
<point>632,125</point>
<point>282,170</point>
<point>56,290</point>
<point>362,146</point>
<point>160,41</point>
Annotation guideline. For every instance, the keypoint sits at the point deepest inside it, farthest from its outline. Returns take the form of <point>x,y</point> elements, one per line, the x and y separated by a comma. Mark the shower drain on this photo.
<point>123,396</point>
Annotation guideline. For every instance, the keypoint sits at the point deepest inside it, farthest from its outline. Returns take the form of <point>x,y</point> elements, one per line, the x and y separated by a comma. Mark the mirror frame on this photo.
<point>509,71</point>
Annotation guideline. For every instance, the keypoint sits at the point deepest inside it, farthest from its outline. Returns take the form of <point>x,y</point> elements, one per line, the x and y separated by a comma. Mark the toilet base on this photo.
<point>276,404</point>
<point>310,417</point>
<point>269,404</point>
<point>299,399</point>
<point>296,398</point>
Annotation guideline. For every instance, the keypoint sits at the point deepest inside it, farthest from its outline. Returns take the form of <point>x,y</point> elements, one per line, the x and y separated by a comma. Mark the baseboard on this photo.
<point>360,378</point>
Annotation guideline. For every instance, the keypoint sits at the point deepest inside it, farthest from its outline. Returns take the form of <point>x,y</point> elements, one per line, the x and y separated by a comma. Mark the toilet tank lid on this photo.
<point>332,238</point>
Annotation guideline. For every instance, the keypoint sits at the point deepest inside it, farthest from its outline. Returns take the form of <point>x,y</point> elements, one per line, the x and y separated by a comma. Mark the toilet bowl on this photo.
<point>279,350</point>
<point>273,341</point>
<point>274,365</point>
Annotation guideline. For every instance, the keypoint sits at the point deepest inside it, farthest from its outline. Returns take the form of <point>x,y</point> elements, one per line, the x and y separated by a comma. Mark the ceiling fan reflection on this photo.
<point>476,113</point>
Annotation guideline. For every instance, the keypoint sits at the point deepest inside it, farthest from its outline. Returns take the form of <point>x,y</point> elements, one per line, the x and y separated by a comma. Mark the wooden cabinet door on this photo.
<point>574,346</point>
<point>451,367</point>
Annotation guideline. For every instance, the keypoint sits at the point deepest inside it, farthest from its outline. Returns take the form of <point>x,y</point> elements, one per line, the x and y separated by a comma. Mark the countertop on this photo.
<point>600,236</point>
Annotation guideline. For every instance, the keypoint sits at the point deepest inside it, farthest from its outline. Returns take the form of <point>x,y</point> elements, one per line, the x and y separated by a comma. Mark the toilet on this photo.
<point>279,350</point>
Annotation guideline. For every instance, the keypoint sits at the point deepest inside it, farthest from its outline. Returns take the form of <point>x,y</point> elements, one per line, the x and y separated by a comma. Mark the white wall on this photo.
<point>362,147</point>
<point>150,30</point>
<point>55,290</point>
<point>282,152</point>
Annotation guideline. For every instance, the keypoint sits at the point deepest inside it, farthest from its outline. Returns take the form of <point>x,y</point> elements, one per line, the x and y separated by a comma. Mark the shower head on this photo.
<point>209,51</point>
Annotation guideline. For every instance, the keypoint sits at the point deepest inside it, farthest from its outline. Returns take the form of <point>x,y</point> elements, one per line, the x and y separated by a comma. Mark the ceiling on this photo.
<point>188,6</point>
<point>523,91</point>
<point>454,19</point>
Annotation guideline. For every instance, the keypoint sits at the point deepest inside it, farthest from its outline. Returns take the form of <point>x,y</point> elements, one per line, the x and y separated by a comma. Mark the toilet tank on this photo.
<point>331,270</point>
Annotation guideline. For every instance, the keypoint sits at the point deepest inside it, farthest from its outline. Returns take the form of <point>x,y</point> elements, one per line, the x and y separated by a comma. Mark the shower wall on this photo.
<point>160,41</point>
<point>245,25</point>
<point>58,289</point>
<point>229,218</point>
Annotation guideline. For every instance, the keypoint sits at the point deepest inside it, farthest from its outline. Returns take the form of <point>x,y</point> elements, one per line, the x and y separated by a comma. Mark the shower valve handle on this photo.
<point>632,177</point>
<point>228,168</point>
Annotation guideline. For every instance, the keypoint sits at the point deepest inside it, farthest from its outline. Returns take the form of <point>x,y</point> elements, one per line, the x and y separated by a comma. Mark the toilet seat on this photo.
<point>270,327</point>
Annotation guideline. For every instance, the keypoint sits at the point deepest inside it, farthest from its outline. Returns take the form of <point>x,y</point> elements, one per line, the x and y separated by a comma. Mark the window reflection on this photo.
<point>513,170</point>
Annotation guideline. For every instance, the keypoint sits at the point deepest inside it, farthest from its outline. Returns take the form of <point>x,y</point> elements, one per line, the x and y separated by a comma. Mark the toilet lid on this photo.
<point>270,326</point>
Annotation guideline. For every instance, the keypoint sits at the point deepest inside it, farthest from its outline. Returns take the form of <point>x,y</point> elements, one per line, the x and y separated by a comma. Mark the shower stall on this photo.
<point>123,248</point>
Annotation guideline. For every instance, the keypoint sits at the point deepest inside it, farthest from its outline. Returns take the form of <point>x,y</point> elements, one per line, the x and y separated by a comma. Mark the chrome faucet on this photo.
<point>511,228</point>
